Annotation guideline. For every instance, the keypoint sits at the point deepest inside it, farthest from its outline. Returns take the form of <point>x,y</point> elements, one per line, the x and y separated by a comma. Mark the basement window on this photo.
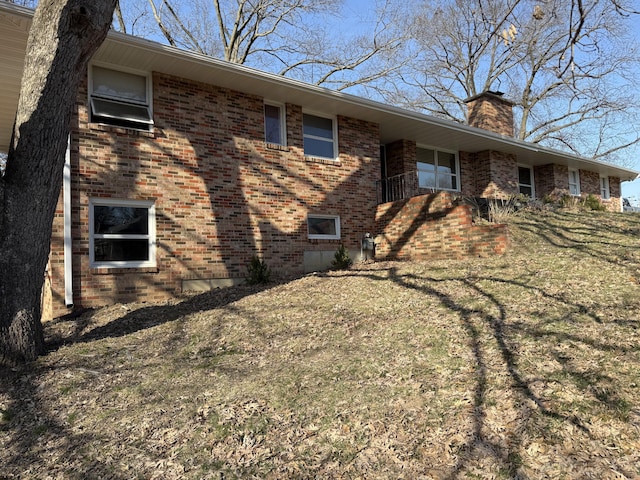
<point>120,98</point>
<point>122,233</point>
<point>323,227</point>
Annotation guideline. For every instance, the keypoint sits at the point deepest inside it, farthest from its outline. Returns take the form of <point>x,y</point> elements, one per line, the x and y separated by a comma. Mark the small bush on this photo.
<point>569,201</point>
<point>501,210</point>
<point>591,202</point>
<point>341,260</point>
<point>258,272</point>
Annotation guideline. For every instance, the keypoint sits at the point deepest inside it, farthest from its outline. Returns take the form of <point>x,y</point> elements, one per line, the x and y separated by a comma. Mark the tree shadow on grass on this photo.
<point>83,328</point>
<point>35,441</point>
<point>31,433</point>
<point>491,320</point>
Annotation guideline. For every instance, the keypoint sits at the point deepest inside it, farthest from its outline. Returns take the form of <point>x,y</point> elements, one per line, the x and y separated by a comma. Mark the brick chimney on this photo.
<point>490,111</point>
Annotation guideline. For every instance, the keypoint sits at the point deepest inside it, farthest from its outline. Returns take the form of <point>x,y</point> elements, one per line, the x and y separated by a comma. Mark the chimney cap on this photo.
<point>490,93</point>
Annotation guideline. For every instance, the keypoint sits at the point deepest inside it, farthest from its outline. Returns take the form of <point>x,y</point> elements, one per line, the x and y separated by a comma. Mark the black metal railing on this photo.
<point>397,187</point>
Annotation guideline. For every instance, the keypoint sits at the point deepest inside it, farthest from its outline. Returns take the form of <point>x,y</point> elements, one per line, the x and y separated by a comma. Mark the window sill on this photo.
<point>275,146</point>
<point>324,240</point>
<point>121,270</point>
<point>325,161</point>
<point>103,127</point>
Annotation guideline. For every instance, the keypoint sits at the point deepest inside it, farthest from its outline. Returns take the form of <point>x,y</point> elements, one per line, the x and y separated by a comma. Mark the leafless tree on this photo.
<point>566,63</point>
<point>63,36</point>
<point>302,39</point>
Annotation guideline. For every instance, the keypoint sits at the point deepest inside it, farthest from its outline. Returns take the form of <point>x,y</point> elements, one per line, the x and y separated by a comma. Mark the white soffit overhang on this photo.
<point>395,123</point>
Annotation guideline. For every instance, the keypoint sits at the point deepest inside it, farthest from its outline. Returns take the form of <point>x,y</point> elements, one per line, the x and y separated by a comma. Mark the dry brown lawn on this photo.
<point>525,366</point>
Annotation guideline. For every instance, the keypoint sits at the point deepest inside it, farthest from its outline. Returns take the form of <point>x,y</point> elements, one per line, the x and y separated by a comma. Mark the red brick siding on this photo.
<point>551,179</point>
<point>432,227</point>
<point>221,194</point>
<point>401,157</point>
<point>590,185</point>
<point>488,174</point>
<point>492,113</point>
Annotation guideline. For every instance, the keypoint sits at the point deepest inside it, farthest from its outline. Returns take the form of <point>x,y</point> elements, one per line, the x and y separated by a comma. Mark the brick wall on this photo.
<point>433,227</point>
<point>491,112</point>
<point>221,194</point>
<point>401,157</point>
<point>488,174</point>
<point>551,179</point>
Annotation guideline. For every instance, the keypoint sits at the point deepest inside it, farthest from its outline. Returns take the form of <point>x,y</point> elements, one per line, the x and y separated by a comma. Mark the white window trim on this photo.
<point>577,194</point>
<point>533,179</point>
<point>148,90</point>
<point>334,128</point>
<point>315,236</point>
<point>283,122</point>
<point>457,161</point>
<point>151,236</point>
<point>605,187</point>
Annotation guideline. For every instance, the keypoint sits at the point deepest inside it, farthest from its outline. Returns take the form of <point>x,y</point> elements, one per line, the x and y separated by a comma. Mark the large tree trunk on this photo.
<point>63,36</point>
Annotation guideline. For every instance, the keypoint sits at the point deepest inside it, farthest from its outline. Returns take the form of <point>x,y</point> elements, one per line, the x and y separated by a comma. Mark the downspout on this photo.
<point>68,251</point>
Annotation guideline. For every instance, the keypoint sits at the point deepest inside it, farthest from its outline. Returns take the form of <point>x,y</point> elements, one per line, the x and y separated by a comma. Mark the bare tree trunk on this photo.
<point>63,37</point>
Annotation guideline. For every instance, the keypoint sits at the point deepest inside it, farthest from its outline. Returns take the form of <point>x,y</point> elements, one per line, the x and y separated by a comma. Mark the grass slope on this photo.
<point>524,366</point>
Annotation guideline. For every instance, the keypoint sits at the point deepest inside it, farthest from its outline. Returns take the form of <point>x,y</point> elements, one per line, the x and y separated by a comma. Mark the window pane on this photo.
<point>448,161</point>
<point>112,83</point>
<point>524,176</point>
<point>121,220</point>
<point>318,148</point>
<point>447,181</point>
<point>322,226</point>
<point>126,111</point>
<point>526,191</point>
<point>426,179</point>
<point>426,167</point>
<point>117,250</point>
<point>318,126</point>
<point>272,124</point>
<point>425,156</point>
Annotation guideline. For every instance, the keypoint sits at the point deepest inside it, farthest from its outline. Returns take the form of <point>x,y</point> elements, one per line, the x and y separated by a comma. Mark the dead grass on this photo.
<point>524,366</point>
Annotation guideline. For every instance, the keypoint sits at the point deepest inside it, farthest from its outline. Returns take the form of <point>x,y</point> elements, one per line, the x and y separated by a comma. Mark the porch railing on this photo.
<point>397,187</point>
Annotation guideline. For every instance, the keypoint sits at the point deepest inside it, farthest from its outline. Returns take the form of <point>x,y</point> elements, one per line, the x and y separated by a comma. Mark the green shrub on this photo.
<point>257,272</point>
<point>341,260</point>
<point>591,202</point>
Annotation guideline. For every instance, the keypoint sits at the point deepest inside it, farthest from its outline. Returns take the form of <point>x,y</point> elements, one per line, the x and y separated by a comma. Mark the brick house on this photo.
<point>181,168</point>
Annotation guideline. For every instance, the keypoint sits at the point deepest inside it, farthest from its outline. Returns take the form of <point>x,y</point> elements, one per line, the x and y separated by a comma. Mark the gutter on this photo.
<point>68,251</point>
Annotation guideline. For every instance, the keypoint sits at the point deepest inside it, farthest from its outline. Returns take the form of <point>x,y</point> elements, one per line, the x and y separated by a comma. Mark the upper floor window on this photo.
<point>525,181</point>
<point>320,137</point>
<point>120,98</point>
<point>437,169</point>
<point>121,233</point>
<point>605,194</point>
<point>574,182</point>
<point>274,124</point>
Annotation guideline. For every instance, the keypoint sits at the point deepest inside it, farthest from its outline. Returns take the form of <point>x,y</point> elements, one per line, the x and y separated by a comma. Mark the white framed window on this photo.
<point>438,169</point>
<point>120,98</point>
<point>574,182</point>
<point>525,181</point>
<point>605,193</point>
<point>320,136</point>
<point>275,123</point>
<point>122,233</point>
<point>323,227</point>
